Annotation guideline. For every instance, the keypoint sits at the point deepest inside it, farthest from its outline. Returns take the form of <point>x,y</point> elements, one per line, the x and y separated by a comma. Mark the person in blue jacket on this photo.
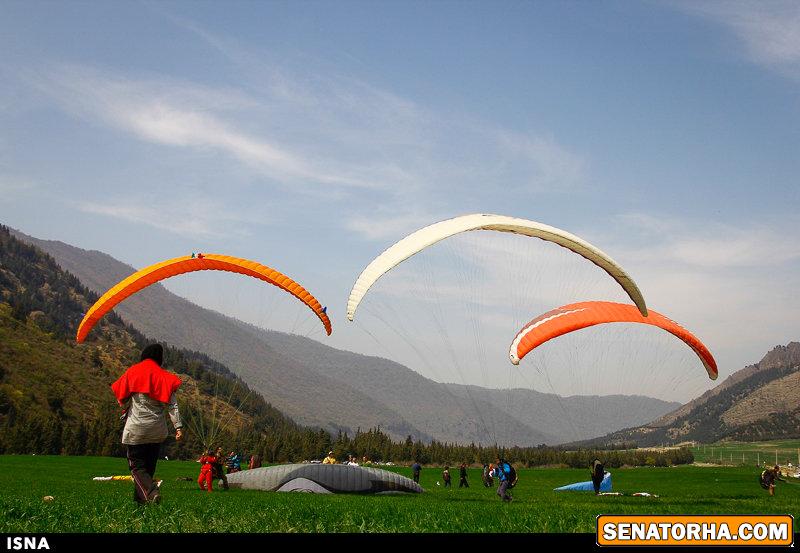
<point>234,462</point>
<point>508,478</point>
<point>416,468</point>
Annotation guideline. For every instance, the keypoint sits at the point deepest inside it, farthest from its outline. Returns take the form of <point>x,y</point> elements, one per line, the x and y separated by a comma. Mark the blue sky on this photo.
<point>312,135</point>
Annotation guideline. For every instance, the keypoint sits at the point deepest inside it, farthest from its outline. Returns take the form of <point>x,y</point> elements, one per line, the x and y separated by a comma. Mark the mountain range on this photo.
<point>341,390</point>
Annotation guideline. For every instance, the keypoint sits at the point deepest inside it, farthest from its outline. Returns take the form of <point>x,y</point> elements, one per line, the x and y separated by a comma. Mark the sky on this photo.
<point>310,136</point>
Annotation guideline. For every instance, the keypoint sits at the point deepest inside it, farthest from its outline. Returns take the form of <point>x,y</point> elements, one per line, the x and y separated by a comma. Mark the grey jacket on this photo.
<point>146,421</point>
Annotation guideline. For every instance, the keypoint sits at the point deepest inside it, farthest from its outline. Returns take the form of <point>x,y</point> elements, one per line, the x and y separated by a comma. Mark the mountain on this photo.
<point>342,390</point>
<point>574,416</point>
<point>286,383</point>
<point>758,402</point>
<point>54,393</point>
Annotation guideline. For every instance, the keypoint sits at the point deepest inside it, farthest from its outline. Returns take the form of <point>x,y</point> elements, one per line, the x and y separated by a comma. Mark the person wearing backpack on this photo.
<point>769,477</point>
<point>508,479</point>
<point>598,473</point>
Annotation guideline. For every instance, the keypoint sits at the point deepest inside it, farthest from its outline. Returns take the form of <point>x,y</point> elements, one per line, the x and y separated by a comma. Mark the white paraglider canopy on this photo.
<point>427,236</point>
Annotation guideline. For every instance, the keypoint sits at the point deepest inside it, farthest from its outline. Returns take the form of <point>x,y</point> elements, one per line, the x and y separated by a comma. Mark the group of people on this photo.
<point>213,465</point>
<point>500,469</point>
<point>462,483</point>
<point>766,479</point>
<point>146,393</point>
<point>352,460</point>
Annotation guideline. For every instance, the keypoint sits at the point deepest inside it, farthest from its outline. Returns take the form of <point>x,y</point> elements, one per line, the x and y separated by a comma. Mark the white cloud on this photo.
<point>714,245</point>
<point>322,134</point>
<point>733,286</point>
<point>378,227</point>
<point>548,163</point>
<point>194,219</point>
<point>187,115</point>
<point>327,93</point>
<point>741,248</point>
<point>770,30</point>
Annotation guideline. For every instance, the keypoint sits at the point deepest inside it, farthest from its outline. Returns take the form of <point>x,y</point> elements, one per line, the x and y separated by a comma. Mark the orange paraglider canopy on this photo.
<point>576,316</point>
<point>187,264</point>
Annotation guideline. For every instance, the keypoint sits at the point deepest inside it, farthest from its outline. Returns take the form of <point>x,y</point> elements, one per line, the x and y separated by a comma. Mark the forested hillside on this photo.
<point>759,402</point>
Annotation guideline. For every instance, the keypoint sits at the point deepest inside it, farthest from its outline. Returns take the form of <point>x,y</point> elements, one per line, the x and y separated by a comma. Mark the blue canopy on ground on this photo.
<point>605,485</point>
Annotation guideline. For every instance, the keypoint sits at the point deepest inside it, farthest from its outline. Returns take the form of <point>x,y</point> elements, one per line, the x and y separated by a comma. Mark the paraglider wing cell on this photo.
<point>427,236</point>
<point>577,316</point>
<point>187,264</point>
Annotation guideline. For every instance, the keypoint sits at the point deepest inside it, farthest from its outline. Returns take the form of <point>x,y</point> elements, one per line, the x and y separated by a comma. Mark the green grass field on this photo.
<point>82,505</point>
<point>749,453</point>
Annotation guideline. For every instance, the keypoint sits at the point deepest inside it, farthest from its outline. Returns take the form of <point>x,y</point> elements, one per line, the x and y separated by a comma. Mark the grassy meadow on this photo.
<point>749,453</point>
<point>83,505</point>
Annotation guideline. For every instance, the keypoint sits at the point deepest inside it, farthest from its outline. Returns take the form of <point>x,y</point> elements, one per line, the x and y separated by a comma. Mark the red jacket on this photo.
<point>146,377</point>
<point>207,462</point>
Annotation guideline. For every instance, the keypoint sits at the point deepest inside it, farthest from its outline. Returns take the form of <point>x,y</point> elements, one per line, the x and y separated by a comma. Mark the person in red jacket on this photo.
<point>147,394</point>
<point>206,478</point>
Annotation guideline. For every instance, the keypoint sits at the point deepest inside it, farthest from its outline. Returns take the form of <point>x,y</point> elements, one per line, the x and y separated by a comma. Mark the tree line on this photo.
<point>46,434</point>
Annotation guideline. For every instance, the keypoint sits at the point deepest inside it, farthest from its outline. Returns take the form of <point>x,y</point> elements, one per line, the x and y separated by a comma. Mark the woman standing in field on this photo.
<point>147,394</point>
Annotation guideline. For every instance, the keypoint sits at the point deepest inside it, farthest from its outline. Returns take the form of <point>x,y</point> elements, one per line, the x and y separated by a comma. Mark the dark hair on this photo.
<point>154,352</point>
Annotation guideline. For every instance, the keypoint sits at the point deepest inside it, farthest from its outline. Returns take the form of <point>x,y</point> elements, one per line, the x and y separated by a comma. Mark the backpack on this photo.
<point>511,474</point>
<point>599,471</point>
